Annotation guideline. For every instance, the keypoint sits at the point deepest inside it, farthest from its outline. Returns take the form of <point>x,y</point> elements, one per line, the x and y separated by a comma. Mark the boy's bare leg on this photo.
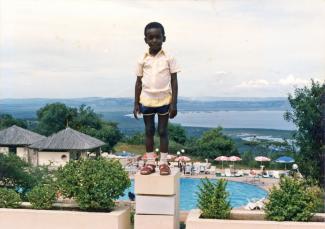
<point>149,121</point>
<point>163,134</point>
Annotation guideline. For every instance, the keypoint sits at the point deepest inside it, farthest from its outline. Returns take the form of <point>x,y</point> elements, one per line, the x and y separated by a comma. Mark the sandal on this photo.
<point>148,169</point>
<point>164,170</point>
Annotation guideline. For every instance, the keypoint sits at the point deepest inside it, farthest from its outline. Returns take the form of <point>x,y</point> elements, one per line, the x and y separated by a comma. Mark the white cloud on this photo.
<point>224,47</point>
<point>261,83</point>
<point>291,80</point>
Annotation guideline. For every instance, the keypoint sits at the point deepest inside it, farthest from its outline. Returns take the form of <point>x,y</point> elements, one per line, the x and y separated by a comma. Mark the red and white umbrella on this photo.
<point>262,158</point>
<point>222,159</point>
<point>145,156</point>
<point>171,157</point>
<point>183,158</point>
<point>234,158</point>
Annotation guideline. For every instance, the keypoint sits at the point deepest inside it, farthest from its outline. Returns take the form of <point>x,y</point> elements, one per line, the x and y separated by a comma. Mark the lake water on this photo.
<point>235,119</point>
<point>263,119</point>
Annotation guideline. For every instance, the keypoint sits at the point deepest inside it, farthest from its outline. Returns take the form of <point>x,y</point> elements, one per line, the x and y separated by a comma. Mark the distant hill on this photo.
<point>26,108</point>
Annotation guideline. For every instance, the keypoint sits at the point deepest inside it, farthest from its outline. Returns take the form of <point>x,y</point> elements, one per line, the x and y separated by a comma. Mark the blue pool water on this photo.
<point>240,193</point>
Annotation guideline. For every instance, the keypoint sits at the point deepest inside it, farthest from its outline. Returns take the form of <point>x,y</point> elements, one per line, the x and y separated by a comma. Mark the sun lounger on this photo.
<point>228,173</point>
<point>239,173</point>
<point>211,170</point>
<point>202,169</point>
<point>188,169</point>
<point>276,174</point>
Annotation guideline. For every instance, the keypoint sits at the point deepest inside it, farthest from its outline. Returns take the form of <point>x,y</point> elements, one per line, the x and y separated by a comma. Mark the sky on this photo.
<point>89,48</point>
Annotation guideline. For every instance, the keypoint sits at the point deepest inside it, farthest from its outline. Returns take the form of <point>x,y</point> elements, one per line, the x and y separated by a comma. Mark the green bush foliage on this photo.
<point>93,183</point>
<point>293,200</point>
<point>14,172</point>
<point>213,199</point>
<point>42,196</point>
<point>9,198</point>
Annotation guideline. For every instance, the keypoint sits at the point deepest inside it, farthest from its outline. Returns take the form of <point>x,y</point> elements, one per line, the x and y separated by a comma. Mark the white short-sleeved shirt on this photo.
<point>155,72</point>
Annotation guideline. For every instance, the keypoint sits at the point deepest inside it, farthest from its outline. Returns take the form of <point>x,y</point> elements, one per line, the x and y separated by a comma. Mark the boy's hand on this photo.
<point>136,110</point>
<point>172,111</point>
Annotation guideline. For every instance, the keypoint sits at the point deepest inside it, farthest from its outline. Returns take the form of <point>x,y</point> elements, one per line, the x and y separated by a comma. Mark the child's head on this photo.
<point>154,35</point>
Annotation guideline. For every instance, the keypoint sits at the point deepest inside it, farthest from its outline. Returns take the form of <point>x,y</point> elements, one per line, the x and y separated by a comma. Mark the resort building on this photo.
<point>64,145</point>
<point>16,140</point>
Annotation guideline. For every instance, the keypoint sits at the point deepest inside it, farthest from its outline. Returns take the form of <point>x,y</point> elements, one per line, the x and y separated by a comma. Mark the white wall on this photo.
<point>4,150</point>
<point>22,152</point>
<point>45,158</point>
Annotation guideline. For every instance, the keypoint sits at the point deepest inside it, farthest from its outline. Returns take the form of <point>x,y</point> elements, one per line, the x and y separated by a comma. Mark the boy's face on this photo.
<point>154,39</point>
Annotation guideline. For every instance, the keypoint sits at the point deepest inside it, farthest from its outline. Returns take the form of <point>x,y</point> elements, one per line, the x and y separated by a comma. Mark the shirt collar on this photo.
<point>160,52</point>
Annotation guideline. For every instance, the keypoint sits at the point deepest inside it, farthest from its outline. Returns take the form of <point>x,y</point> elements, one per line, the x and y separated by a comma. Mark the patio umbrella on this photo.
<point>233,159</point>
<point>171,157</point>
<point>145,156</point>
<point>262,158</point>
<point>183,158</point>
<point>286,160</point>
<point>222,159</point>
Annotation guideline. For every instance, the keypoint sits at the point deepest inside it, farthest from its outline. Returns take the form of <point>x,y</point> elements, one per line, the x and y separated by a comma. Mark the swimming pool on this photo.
<point>240,193</point>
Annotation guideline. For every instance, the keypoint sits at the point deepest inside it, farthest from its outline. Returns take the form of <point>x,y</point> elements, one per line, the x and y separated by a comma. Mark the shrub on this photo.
<point>213,199</point>
<point>9,198</point>
<point>42,196</point>
<point>93,183</point>
<point>293,200</point>
<point>14,171</point>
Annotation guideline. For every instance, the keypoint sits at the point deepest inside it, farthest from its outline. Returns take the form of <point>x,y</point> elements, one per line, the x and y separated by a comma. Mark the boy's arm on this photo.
<point>138,88</point>
<point>173,105</point>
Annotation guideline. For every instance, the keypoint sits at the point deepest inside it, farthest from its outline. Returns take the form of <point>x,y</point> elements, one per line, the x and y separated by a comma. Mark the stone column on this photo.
<point>157,201</point>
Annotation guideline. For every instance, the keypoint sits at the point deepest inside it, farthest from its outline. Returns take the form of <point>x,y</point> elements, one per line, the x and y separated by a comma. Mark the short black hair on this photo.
<point>155,25</point>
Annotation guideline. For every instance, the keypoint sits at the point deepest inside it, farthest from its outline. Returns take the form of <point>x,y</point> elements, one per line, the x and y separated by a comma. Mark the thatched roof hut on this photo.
<point>68,139</point>
<point>18,136</point>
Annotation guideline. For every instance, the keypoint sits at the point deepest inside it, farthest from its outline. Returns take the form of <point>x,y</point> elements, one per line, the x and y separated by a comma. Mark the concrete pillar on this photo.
<point>157,201</point>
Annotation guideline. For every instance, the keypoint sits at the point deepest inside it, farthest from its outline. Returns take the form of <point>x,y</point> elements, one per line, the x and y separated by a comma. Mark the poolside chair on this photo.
<point>266,175</point>
<point>211,170</point>
<point>255,204</point>
<point>276,174</point>
<point>188,169</point>
<point>202,168</point>
<point>239,173</point>
<point>228,173</point>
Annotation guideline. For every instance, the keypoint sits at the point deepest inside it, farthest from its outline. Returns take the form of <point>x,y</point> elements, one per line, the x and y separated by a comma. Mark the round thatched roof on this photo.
<point>16,135</point>
<point>68,139</point>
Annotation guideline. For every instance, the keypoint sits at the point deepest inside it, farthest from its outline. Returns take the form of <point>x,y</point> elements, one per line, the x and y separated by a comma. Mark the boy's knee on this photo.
<point>162,132</point>
<point>150,130</point>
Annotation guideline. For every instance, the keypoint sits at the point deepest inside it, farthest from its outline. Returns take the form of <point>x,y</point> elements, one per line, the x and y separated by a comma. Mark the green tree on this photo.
<point>306,115</point>
<point>213,199</point>
<point>109,133</point>
<point>93,183</point>
<point>54,117</point>
<point>6,120</point>
<point>15,172</point>
<point>177,133</point>
<point>213,144</point>
<point>293,200</point>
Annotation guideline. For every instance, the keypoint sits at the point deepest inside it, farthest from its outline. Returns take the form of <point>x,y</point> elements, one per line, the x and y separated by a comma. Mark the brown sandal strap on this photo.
<point>164,169</point>
<point>148,169</point>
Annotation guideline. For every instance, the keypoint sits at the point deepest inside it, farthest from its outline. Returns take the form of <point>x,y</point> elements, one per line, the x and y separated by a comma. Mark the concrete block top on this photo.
<point>155,184</point>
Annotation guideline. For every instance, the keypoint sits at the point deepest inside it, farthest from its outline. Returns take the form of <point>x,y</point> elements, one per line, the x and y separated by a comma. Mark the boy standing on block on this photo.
<point>156,93</point>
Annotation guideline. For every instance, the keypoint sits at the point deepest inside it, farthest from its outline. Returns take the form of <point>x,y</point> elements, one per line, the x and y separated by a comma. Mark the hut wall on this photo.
<point>4,149</point>
<point>32,156</point>
<point>56,158</point>
<point>22,152</point>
